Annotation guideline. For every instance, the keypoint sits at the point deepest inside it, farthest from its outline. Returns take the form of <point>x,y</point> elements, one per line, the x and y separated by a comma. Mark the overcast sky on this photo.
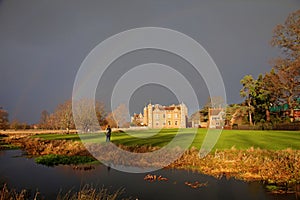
<point>43,43</point>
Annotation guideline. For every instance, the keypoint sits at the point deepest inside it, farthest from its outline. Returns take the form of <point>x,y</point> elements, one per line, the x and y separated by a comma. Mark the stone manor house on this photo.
<point>158,116</point>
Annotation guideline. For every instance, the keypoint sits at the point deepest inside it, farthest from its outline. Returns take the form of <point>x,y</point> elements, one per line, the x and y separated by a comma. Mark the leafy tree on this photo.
<point>212,102</point>
<point>262,100</point>
<point>248,92</point>
<point>203,114</point>
<point>4,122</point>
<point>235,114</point>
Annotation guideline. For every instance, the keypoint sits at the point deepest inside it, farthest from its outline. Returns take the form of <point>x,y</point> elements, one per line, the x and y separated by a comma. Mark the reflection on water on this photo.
<point>21,172</point>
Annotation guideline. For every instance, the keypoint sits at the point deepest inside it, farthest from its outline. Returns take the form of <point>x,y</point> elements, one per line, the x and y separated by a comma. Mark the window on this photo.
<point>157,123</point>
<point>176,123</point>
<point>156,116</point>
<point>164,116</point>
<point>176,115</point>
<point>169,123</point>
<point>169,115</point>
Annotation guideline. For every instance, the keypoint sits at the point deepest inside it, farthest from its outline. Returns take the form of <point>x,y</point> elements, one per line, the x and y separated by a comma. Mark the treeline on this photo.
<point>63,116</point>
<point>274,96</point>
<point>15,124</point>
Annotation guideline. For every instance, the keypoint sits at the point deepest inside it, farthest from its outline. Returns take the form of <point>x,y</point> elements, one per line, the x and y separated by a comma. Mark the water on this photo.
<point>23,173</point>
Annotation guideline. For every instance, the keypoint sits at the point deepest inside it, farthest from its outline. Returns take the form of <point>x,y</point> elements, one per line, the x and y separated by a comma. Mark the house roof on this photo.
<point>215,111</point>
<point>172,108</point>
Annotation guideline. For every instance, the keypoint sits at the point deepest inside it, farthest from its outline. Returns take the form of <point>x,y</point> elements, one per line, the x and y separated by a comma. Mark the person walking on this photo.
<point>108,133</point>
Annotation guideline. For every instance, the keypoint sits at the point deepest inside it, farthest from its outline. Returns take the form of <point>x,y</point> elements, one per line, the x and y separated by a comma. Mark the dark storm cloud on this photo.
<point>42,43</point>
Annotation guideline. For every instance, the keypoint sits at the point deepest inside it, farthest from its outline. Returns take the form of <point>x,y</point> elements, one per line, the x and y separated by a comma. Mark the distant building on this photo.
<point>195,121</point>
<point>297,114</point>
<point>216,117</point>
<point>158,116</point>
<point>137,119</point>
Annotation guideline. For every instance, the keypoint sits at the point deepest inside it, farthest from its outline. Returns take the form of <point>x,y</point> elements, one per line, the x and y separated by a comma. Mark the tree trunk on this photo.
<point>292,114</point>
<point>268,118</point>
<point>250,114</point>
<point>291,109</point>
<point>250,118</point>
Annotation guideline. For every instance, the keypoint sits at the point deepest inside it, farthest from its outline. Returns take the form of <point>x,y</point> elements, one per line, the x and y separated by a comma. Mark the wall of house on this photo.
<point>157,116</point>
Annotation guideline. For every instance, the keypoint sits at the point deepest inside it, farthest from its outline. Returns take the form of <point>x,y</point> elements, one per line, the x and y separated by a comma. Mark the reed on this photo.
<point>278,168</point>
<point>87,192</point>
<point>12,194</point>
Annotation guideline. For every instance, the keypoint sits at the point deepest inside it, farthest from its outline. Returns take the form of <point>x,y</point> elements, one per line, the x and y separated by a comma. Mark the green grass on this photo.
<point>272,140</point>
<point>53,159</point>
<point>5,146</point>
<point>240,139</point>
<point>58,136</point>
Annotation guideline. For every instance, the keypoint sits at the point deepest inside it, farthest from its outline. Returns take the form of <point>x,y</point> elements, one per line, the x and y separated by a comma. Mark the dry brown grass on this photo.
<point>280,167</point>
<point>34,131</point>
<point>37,146</point>
<point>272,167</point>
<point>91,193</point>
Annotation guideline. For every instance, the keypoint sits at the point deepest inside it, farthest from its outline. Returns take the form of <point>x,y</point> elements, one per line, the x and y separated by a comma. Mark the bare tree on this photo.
<point>287,38</point>
<point>285,87</point>
<point>286,76</point>
<point>120,115</point>
<point>111,121</point>
<point>4,122</point>
<point>101,113</point>
<point>52,122</point>
<point>15,124</point>
<point>44,119</point>
<point>62,117</point>
<point>89,116</point>
<point>66,117</point>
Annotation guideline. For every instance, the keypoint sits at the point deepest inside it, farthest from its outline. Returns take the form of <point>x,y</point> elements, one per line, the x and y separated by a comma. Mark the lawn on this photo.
<point>240,139</point>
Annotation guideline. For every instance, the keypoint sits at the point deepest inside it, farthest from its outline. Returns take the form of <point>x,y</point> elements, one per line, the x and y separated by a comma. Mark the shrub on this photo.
<point>53,159</point>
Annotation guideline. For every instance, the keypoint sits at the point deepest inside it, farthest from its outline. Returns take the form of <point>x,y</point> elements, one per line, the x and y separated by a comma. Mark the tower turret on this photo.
<point>150,115</point>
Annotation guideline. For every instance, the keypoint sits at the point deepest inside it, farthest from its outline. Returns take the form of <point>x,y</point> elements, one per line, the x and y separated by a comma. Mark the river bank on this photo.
<point>21,173</point>
<point>279,169</point>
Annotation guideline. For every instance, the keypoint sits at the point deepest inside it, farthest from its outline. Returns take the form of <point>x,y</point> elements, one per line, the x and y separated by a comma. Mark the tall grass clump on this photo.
<point>12,194</point>
<point>89,192</point>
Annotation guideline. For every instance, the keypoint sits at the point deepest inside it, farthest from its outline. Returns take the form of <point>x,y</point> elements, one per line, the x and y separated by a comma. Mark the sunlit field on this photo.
<point>239,139</point>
